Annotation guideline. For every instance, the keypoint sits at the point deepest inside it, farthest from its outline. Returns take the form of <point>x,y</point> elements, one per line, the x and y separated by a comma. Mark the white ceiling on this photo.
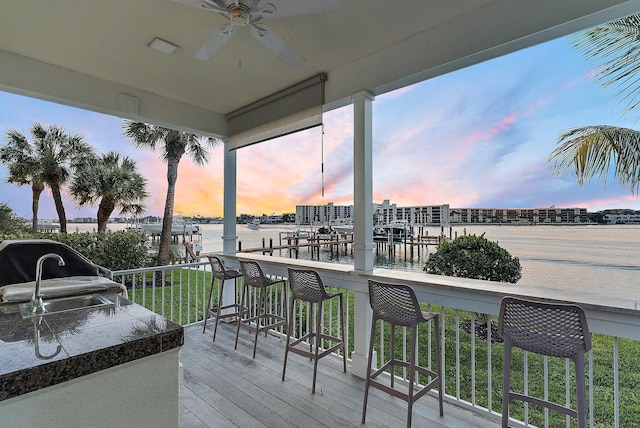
<point>87,53</point>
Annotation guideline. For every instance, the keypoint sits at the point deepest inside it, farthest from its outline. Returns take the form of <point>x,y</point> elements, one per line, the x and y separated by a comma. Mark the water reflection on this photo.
<point>37,326</point>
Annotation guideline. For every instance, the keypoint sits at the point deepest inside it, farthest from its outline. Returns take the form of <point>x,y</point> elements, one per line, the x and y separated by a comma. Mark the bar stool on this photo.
<point>219,272</point>
<point>306,286</point>
<point>551,329</point>
<point>261,320</point>
<point>398,306</point>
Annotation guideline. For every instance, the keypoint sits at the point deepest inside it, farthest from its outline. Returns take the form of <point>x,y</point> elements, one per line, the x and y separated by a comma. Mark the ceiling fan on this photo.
<point>250,13</point>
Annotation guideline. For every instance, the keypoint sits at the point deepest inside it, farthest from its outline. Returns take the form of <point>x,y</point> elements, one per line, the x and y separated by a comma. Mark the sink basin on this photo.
<point>65,304</point>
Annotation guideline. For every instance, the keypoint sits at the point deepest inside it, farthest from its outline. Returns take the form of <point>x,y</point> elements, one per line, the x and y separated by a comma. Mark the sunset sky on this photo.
<point>478,137</point>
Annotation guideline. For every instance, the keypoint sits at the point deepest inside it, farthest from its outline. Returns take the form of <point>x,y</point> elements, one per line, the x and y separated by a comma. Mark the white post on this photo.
<point>229,236</point>
<point>363,224</point>
<point>362,181</point>
<point>361,335</point>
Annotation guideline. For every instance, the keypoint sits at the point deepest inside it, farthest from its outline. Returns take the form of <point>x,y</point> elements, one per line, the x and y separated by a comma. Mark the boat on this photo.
<point>254,224</point>
<point>178,227</point>
<point>396,232</point>
<point>325,230</point>
<point>343,229</point>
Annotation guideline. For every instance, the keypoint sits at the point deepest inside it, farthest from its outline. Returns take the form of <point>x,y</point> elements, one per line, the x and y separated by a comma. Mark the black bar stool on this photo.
<point>398,306</point>
<point>306,286</point>
<point>261,320</point>
<point>219,272</point>
<point>551,329</point>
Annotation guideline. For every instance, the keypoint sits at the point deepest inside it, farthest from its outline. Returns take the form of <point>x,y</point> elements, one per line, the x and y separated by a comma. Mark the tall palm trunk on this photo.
<point>167,220</point>
<point>57,199</point>
<point>36,190</point>
<point>105,209</point>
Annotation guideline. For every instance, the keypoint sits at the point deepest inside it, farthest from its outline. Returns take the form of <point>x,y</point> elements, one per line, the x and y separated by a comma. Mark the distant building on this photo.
<point>386,213</point>
<point>271,219</point>
<point>324,214</point>
<point>519,215</point>
<point>625,218</point>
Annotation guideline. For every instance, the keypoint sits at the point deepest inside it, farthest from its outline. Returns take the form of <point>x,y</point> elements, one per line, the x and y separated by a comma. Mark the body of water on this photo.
<point>603,259</point>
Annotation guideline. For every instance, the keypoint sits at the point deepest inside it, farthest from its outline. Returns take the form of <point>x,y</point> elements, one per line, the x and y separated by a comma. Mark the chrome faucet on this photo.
<point>37,306</point>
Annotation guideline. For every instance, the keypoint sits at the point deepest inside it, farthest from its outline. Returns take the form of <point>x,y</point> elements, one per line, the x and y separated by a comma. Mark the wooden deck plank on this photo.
<point>263,386</point>
<point>226,387</point>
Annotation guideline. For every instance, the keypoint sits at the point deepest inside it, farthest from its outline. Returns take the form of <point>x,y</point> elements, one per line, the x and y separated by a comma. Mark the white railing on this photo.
<point>472,364</point>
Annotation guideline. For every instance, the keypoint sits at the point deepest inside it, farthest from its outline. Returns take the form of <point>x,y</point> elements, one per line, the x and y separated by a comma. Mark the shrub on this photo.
<point>115,251</point>
<point>10,222</point>
<point>475,257</point>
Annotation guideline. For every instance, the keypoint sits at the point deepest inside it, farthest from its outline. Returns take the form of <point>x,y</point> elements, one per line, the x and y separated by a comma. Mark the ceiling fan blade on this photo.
<point>204,4</point>
<point>217,40</point>
<point>276,45</point>
<point>275,9</point>
<point>213,5</point>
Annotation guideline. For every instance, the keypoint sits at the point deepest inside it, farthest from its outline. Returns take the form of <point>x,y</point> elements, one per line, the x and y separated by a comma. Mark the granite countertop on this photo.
<point>44,351</point>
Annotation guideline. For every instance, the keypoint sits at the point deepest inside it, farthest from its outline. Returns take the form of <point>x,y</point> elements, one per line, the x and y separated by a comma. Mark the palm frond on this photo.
<point>614,49</point>
<point>591,150</point>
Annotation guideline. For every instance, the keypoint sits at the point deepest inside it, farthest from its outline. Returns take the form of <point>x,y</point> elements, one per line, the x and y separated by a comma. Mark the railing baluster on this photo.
<point>545,362</point>
<point>443,348</point>
<point>473,358</point>
<point>489,368</point>
<point>404,351</point>
<point>457,354</point>
<point>525,357</point>
<point>616,388</point>
<point>591,416</point>
<point>347,338</point>
<point>567,390</point>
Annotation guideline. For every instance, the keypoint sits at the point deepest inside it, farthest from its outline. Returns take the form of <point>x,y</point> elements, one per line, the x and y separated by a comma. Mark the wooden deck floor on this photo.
<point>224,387</point>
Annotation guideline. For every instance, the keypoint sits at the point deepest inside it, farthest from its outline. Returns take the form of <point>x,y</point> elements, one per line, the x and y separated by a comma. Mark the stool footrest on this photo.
<point>238,310</point>
<point>422,370</point>
<point>247,322</point>
<point>311,354</point>
<point>403,395</point>
<point>543,403</point>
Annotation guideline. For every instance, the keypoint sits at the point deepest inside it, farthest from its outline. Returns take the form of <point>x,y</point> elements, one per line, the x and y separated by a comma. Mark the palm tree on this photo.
<point>174,145</point>
<point>18,154</point>
<point>58,154</point>
<point>48,160</point>
<point>112,182</point>
<point>590,150</point>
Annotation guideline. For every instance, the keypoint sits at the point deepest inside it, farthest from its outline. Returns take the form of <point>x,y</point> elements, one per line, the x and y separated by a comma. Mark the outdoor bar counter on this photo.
<point>107,366</point>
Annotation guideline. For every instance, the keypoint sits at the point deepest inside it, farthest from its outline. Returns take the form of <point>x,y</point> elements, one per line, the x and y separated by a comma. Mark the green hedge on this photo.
<point>115,251</point>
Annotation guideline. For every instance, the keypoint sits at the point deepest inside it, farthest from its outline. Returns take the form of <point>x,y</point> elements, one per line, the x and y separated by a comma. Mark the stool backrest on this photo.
<point>217,267</point>
<point>556,330</point>
<point>253,275</point>
<point>394,303</point>
<point>306,285</point>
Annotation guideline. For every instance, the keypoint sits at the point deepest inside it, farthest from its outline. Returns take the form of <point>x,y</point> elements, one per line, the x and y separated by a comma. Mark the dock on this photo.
<point>341,243</point>
<point>314,243</point>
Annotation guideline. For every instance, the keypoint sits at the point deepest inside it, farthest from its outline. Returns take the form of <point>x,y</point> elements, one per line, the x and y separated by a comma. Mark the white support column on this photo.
<point>229,236</point>
<point>363,224</point>
<point>361,335</point>
<point>363,181</point>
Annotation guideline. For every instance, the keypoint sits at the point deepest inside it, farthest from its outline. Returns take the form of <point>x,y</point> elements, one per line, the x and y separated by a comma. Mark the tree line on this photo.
<point>50,157</point>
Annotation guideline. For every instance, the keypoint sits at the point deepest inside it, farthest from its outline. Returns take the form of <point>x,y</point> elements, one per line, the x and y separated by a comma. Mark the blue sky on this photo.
<point>477,137</point>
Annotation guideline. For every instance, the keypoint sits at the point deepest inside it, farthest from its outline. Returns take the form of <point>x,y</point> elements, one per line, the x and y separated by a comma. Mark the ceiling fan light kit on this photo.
<point>239,15</point>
